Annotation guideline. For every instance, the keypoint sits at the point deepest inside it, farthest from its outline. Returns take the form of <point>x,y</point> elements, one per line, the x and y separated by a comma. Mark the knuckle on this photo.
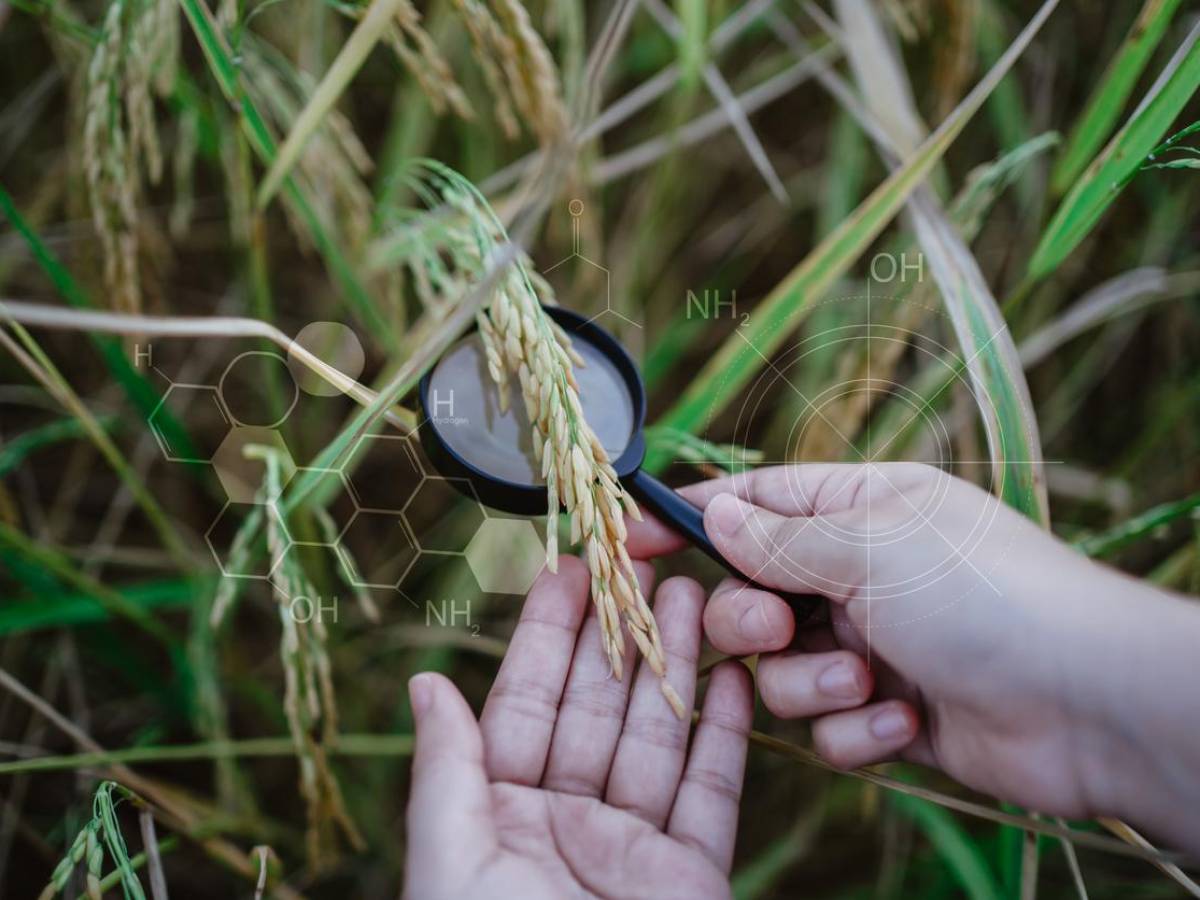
<point>828,748</point>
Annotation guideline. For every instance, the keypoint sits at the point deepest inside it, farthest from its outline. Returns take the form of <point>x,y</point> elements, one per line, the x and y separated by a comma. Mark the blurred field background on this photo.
<point>255,160</point>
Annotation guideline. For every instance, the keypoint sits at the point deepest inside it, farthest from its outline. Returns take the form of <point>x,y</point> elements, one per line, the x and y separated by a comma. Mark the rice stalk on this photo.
<point>310,703</point>
<point>522,342</point>
<point>637,99</point>
<point>101,833</point>
<point>177,811</point>
<point>518,69</point>
<point>199,327</point>
<point>227,73</point>
<point>133,60</point>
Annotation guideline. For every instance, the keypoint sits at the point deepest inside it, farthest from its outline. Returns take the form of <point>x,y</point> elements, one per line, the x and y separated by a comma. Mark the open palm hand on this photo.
<point>574,784</point>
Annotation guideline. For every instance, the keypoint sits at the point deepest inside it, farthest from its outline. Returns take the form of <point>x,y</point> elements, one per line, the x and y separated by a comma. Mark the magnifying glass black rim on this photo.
<point>528,499</point>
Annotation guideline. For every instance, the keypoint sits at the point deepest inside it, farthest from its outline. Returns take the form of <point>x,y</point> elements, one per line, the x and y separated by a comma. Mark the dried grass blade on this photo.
<point>718,87</point>
<point>996,375</point>
<point>1144,850</point>
<point>380,16</point>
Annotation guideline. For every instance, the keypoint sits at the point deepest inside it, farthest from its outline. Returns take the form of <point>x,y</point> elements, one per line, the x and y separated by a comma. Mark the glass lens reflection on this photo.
<point>464,407</point>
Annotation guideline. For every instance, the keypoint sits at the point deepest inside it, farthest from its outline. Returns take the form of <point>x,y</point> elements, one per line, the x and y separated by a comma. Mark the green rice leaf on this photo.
<point>1095,191</point>
<point>956,848</point>
<point>1113,92</point>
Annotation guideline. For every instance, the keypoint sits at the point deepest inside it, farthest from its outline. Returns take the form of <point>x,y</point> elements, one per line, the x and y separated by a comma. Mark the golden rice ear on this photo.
<point>522,341</point>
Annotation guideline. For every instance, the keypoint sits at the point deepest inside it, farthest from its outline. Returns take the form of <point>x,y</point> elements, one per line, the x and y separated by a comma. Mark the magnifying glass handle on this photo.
<point>688,519</point>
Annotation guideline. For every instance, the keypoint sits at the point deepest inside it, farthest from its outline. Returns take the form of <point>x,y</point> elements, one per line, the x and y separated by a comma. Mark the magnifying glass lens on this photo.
<point>464,408</point>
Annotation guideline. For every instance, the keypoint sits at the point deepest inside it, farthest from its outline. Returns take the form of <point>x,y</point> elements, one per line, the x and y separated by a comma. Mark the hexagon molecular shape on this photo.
<point>258,389</point>
<point>199,408</point>
<point>376,549</point>
<point>506,556</point>
<point>242,477</point>
<point>444,514</point>
<point>328,509</point>
<point>243,550</point>
<point>384,471</point>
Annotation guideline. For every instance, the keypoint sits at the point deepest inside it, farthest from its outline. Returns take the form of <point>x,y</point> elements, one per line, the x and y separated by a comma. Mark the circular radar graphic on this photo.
<point>878,410</point>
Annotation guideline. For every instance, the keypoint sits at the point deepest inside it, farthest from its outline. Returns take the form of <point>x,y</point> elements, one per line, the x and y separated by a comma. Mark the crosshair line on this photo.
<point>924,518</point>
<point>774,368</point>
<point>929,402</point>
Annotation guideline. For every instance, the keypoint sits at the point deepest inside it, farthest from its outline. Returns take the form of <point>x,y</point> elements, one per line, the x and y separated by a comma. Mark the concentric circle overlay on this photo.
<point>258,389</point>
<point>858,398</point>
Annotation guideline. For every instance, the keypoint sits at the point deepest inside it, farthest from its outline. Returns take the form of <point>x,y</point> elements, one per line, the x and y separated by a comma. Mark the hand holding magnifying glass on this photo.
<point>467,436</point>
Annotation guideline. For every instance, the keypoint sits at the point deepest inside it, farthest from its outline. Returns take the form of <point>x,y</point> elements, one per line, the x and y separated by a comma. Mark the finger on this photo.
<point>741,620</point>
<point>706,807</point>
<point>518,718</point>
<point>801,685</point>
<point>818,554</point>
<point>792,490</point>
<point>867,735</point>
<point>650,754</point>
<point>592,710</point>
<point>650,538</point>
<point>449,799</point>
<point>803,489</point>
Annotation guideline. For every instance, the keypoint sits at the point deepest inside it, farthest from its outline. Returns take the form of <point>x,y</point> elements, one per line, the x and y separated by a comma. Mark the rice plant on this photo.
<point>235,235</point>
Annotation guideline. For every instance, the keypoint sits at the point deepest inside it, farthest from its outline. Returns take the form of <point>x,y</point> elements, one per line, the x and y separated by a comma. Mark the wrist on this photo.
<point>1132,689</point>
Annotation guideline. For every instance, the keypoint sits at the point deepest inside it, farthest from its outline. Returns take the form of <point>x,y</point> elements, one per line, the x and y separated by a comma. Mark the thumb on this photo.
<point>450,826</point>
<point>798,554</point>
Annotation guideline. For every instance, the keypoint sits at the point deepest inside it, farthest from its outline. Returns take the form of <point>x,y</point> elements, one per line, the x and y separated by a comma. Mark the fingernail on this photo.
<point>840,681</point>
<point>728,513</point>
<point>889,725</point>
<point>753,625</point>
<point>420,693</point>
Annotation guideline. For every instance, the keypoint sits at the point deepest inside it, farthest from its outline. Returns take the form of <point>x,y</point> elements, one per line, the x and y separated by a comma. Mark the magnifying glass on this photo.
<point>468,438</point>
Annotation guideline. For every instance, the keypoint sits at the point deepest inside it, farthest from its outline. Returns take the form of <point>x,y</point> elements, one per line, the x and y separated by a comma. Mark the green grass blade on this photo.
<point>113,602</point>
<point>1119,161</point>
<point>13,453</point>
<point>991,360</point>
<point>693,42</point>
<point>1126,533</point>
<point>66,610</point>
<point>362,745</point>
<point>772,320</point>
<point>1113,91</point>
<point>954,845</point>
<point>987,346</point>
<point>139,391</point>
